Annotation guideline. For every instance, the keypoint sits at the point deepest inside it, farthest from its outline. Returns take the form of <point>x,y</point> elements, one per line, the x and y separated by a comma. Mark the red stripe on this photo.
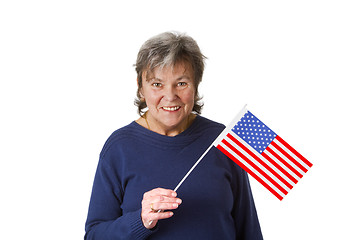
<point>259,160</point>
<point>279,167</point>
<point>284,162</point>
<point>254,166</point>
<point>289,157</point>
<point>294,151</point>
<point>249,171</point>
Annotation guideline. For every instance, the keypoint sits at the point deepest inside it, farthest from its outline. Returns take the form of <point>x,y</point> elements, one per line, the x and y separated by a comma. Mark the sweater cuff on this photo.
<point>137,226</point>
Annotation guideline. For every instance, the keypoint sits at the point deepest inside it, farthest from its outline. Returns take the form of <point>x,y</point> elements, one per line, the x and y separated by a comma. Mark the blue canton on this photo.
<point>254,132</point>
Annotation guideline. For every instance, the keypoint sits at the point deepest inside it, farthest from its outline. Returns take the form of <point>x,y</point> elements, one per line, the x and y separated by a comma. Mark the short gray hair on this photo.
<point>168,49</point>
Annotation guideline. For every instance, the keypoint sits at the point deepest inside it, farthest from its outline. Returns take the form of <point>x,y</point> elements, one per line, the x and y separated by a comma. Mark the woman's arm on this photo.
<point>244,211</point>
<point>105,218</point>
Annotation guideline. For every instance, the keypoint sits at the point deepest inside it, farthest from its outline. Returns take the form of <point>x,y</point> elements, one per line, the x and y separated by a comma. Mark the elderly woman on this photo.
<point>141,162</point>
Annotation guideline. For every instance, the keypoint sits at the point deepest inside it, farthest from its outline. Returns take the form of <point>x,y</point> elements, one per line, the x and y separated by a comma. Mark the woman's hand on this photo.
<point>155,204</point>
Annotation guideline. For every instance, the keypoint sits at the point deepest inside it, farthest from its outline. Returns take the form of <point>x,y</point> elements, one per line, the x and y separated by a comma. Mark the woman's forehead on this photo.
<point>179,68</point>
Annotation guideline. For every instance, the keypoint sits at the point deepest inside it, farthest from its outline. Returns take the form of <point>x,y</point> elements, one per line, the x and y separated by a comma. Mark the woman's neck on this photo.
<point>167,131</point>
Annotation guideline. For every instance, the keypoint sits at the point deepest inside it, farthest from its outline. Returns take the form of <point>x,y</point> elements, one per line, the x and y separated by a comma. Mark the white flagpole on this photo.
<point>215,143</point>
<point>191,169</point>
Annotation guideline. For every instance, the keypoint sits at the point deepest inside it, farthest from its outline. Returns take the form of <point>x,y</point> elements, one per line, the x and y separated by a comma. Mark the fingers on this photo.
<point>161,199</point>
<point>163,206</point>
<point>156,205</point>
<point>160,215</point>
<point>160,192</point>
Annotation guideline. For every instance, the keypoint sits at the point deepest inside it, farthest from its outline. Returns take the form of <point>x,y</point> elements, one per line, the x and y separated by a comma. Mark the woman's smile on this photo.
<point>171,109</point>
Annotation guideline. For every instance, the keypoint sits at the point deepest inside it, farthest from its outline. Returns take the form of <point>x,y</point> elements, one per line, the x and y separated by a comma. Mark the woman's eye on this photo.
<point>182,84</point>
<point>156,84</point>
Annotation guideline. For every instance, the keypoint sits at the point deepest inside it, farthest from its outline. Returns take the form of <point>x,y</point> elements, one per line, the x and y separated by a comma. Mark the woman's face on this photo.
<point>169,94</point>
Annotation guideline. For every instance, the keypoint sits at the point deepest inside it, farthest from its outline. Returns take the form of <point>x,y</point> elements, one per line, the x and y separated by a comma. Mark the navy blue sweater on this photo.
<point>217,200</point>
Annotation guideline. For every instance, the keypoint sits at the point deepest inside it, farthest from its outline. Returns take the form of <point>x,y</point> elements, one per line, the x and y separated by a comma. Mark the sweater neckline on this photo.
<point>157,139</point>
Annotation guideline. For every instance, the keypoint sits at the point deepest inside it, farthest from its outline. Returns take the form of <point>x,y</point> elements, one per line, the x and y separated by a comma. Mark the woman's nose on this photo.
<point>170,93</point>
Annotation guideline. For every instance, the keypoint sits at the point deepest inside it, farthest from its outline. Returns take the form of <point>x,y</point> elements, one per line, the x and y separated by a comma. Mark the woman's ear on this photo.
<point>140,91</point>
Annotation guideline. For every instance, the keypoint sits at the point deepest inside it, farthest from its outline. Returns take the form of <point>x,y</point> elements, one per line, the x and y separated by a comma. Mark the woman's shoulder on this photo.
<point>204,123</point>
<point>121,135</point>
<point>210,122</point>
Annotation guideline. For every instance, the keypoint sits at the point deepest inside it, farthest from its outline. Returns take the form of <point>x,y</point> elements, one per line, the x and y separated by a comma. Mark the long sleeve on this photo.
<point>105,218</point>
<point>244,211</point>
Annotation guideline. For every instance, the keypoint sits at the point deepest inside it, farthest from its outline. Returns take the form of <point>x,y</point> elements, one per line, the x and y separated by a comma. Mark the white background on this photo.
<point>67,82</point>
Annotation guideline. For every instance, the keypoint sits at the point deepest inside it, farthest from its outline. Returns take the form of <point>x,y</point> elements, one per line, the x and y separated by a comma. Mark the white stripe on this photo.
<point>263,159</point>
<point>288,151</point>
<point>253,170</point>
<point>286,159</point>
<point>258,164</point>
<point>281,164</point>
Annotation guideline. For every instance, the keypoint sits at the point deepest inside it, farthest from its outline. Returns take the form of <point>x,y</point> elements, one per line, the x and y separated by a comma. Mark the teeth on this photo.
<point>171,108</point>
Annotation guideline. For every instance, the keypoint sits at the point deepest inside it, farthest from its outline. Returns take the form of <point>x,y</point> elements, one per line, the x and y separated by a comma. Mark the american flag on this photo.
<point>262,153</point>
